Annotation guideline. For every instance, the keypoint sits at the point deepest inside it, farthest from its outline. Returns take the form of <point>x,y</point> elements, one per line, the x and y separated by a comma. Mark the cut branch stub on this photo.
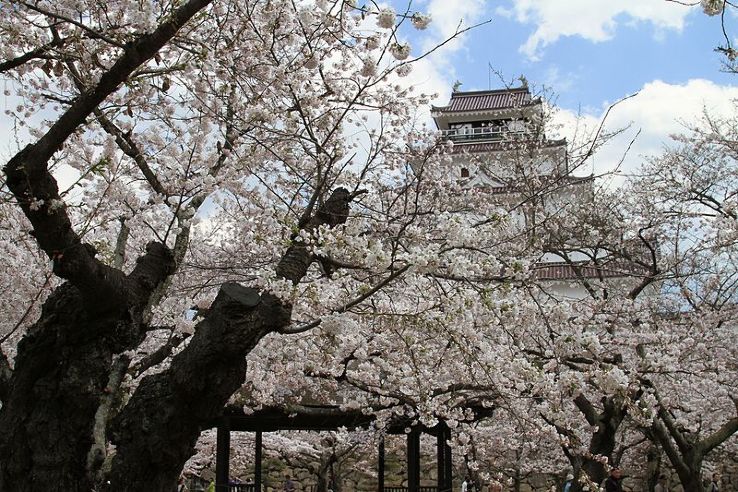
<point>153,267</point>
<point>334,211</point>
<point>244,295</point>
<point>174,404</point>
<point>297,259</point>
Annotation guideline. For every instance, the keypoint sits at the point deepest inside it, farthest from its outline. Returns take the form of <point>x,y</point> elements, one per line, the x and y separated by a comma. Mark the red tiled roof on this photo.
<point>482,100</point>
<point>463,147</point>
<point>566,271</point>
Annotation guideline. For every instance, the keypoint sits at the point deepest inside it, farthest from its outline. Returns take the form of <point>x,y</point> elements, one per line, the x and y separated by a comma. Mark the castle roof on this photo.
<point>486,100</point>
<point>573,271</point>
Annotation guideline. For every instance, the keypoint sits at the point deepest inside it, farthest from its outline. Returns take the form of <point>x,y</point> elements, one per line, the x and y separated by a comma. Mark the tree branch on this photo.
<point>36,190</point>
<point>32,160</point>
<point>719,436</point>
<point>202,377</point>
<point>662,435</point>
<point>670,426</point>
<point>342,309</point>
<point>28,177</point>
<point>119,255</point>
<point>295,263</point>
<point>651,277</point>
<point>158,355</point>
<point>98,451</point>
<point>587,409</point>
<point>55,15</point>
<point>37,53</point>
<point>129,147</point>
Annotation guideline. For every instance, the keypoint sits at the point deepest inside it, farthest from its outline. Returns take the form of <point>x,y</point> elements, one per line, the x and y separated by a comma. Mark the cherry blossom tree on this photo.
<point>228,203</point>
<point>694,383</point>
<point>168,137</point>
<point>662,354</point>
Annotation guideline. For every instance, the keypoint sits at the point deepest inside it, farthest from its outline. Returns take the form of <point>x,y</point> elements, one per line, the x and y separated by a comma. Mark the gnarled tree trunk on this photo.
<point>61,376</point>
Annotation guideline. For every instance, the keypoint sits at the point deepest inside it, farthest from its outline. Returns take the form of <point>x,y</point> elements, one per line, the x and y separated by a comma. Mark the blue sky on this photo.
<point>586,72</point>
<point>605,58</point>
<point>590,53</point>
<point>583,72</point>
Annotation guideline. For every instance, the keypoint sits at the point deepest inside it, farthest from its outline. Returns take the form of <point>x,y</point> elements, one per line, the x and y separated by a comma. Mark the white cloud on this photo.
<point>554,79</point>
<point>594,20</point>
<point>658,111</point>
<point>436,74</point>
<point>450,16</point>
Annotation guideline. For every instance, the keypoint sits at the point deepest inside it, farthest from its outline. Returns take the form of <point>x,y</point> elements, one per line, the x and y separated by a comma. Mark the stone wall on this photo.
<point>363,478</point>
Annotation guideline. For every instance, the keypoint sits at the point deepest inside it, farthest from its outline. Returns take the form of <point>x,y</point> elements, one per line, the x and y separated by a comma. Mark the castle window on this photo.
<point>464,172</point>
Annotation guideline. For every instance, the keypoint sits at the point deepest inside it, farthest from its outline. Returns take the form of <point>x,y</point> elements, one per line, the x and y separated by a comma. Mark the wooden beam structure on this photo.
<point>443,456</point>
<point>327,418</point>
<point>257,461</point>
<point>380,466</point>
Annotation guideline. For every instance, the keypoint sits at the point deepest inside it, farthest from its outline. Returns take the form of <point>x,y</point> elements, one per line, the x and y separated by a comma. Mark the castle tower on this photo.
<point>499,145</point>
<point>491,130</point>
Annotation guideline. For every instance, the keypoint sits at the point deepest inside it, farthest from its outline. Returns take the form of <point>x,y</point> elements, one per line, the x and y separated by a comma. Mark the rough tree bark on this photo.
<point>64,362</point>
<point>50,421</point>
<point>323,473</point>
<point>61,371</point>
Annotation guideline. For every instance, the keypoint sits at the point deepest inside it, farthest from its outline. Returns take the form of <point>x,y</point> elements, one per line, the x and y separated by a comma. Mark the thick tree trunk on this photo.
<point>155,434</point>
<point>61,374</point>
<point>50,402</point>
<point>64,364</point>
<point>48,416</point>
<point>49,411</point>
<point>686,451</point>
<point>517,480</point>
<point>689,471</point>
<point>686,457</point>
<point>602,444</point>
<point>692,481</point>
<point>323,482</point>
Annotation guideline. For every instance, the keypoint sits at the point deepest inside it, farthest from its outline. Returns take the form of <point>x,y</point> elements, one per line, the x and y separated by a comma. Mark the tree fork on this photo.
<point>156,432</point>
<point>37,192</point>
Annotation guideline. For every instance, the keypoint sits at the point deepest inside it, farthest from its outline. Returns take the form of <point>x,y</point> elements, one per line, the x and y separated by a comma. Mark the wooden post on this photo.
<point>440,458</point>
<point>222,457</point>
<point>447,463</point>
<point>380,466</point>
<point>413,460</point>
<point>257,462</point>
<point>443,454</point>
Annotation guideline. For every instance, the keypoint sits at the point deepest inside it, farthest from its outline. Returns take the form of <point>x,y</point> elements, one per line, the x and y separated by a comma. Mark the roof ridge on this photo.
<point>490,91</point>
